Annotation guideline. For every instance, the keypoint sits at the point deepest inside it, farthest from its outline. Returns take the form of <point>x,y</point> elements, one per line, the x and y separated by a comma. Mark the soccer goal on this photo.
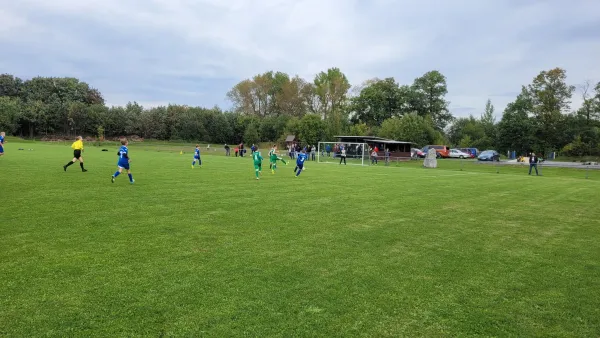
<point>331,152</point>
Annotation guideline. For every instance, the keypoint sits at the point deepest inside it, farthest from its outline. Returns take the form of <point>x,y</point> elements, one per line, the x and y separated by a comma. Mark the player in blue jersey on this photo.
<point>300,162</point>
<point>123,161</point>
<point>2,135</point>
<point>197,157</point>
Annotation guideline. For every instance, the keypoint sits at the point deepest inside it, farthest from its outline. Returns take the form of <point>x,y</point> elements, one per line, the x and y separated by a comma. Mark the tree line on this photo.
<point>271,105</point>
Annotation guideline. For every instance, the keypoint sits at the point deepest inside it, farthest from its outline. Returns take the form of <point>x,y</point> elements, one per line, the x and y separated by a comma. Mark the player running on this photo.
<point>273,150</point>
<point>123,162</point>
<point>197,157</point>
<point>77,150</point>
<point>300,162</point>
<point>257,158</point>
<point>273,158</point>
<point>2,136</point>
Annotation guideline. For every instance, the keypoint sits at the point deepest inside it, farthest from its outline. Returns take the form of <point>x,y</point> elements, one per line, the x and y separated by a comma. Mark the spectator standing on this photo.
<point>533,162</point>
<point>227,150</point>
<point>374,157</point>
<point>313,152</point>
<point>387,156</point>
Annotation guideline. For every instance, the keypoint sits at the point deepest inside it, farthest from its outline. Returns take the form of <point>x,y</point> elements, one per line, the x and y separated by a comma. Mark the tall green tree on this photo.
<point>311,129</point>
<point>331,90</point>
<point>589,112</point>
<point>410,127</point>
<point>516,128</point>
<point>273,128</point>
<point>98,118</point>
<point>10,111</point>
<point>359,129</point>
<point>429,98</point>
<point>596,104</point>
<point>272,94</point>
<point>33,113</point>
<point>190,124</point>
<point>251,134</point>
<point>378,101</point>
<point>488,119</point>
<point>472,132</point>
<point>264,92</point>
<point>220,131</point>
<point>133,116</point>
<point>469,127</point>
<point>154,123</point>
<point>10,86</point>
<point>551,97</point>
<point>244,99</point>
<point>293,96</point>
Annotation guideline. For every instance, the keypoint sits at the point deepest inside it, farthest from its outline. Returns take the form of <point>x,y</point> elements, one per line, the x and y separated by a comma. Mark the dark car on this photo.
<point>489,155</point>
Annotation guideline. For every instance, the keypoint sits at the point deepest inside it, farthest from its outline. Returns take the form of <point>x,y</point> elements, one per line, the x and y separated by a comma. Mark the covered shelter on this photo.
<point>290,139</point>
<point>396,148</point>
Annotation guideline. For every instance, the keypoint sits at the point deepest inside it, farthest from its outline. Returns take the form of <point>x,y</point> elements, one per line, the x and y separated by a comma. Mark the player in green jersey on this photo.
<point>273,157</point>
<point>271,152</point>
<point>257,158</point>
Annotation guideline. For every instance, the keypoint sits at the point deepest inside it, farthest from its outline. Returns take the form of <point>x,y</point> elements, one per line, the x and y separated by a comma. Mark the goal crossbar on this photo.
<point>331,152</point>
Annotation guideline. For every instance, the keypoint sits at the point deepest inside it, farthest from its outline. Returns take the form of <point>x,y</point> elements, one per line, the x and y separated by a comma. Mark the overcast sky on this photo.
<point>193,51</point>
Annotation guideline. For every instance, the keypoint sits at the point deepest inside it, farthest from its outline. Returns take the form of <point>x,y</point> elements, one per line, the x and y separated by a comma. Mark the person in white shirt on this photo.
<point>343,155</point>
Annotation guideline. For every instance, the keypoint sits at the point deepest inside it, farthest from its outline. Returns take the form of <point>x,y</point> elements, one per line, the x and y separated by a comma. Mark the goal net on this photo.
<point>331,152</point>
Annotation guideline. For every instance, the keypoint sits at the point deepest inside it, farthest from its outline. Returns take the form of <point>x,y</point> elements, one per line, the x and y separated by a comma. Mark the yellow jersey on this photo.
<point>77,145</point>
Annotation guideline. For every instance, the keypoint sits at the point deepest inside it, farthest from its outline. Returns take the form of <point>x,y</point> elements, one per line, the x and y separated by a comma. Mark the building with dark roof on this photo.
<point>397,148</point>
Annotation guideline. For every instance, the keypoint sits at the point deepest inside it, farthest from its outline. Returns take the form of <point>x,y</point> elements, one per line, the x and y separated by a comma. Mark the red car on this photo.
<point>442,151</point>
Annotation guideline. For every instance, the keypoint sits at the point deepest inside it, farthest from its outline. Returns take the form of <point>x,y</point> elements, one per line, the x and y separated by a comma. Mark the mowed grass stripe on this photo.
<point>338,251</point>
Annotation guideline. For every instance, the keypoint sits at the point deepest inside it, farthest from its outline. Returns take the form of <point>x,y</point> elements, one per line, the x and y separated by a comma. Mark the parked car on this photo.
<point>425,150</point>
<point>472,151</point>
<point>489,155</point>
<point>415,152</point>
<point>441,151</point>
<point>455,153</point>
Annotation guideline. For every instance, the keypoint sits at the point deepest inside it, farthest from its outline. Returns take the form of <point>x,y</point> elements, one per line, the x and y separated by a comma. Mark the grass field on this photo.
<point>338,251</point>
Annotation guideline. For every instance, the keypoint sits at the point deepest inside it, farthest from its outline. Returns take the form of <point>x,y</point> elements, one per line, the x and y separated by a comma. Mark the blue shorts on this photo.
<point>1,150</point>
<point>124,165</point>
<point>300,165</point>
<point>196,157</point>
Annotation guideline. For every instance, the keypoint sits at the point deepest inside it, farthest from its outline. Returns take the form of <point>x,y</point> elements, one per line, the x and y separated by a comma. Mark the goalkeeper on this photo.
<point>273,157</point>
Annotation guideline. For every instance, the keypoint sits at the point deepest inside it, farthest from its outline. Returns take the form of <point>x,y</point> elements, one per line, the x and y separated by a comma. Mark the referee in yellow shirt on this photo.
<point>77,150</point>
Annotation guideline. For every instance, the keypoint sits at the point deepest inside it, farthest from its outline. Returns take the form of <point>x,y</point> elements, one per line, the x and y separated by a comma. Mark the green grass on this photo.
<point>339,251</point>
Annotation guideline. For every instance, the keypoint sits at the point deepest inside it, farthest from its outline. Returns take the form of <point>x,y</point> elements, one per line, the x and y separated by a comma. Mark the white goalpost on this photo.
<point>331,152</point>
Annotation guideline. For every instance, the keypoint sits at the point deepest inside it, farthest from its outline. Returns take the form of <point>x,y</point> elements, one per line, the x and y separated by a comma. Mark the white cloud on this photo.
<point>486,49</point>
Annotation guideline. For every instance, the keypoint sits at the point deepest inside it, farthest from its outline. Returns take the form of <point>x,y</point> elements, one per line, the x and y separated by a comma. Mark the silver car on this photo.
<point>455,153</point>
